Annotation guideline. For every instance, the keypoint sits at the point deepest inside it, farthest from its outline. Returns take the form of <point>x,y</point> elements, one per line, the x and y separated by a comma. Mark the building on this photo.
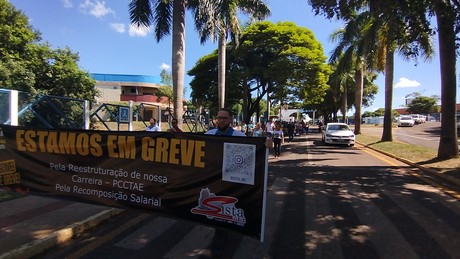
<point>136,88</point>
<point>140,89</point>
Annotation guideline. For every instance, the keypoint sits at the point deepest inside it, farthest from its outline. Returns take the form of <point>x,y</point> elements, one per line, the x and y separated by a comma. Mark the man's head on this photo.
<point>174,122</point>
<point>224,118</point>
<point>153,121</point>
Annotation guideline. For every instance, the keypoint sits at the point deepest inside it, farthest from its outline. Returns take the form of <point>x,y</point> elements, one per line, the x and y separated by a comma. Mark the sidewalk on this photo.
<point>33,224</point>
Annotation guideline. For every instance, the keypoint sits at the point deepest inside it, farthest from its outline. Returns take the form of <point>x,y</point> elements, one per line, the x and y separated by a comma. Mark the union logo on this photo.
<point>219,207</point>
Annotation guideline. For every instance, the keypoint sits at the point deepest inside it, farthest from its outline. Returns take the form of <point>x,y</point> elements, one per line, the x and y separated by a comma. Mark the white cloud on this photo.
<point>138,31</point>
<point>118,27</point>
<point>96,8</point>
<point>165,66</point>
<point>405,83</point>
<point>67,3</point>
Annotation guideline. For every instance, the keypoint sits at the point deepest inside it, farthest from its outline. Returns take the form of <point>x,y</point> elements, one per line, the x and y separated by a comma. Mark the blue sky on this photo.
<point>100,32</point>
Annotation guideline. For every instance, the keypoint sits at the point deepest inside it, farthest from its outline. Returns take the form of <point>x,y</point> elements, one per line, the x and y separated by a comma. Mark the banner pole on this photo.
<point>264,198</point>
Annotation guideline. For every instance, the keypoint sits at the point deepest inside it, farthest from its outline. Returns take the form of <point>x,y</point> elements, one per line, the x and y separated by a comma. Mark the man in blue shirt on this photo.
<point>224,122</point>
<point>153,125</point>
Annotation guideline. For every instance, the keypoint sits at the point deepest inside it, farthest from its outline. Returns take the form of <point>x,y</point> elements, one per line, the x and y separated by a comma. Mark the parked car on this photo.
<point>406,121</point>
<point>417,118</point>
<point>338,133</point>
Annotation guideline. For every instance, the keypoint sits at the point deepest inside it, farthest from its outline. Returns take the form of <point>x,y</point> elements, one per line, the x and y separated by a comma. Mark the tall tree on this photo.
<point>389,30</point>
<point>164,14</point>
<point>216,19</point>
<point>447,16</point>
<point>352,53</point>
<point>417,15</point>
<point>32,66</point>
<point>281,59</point>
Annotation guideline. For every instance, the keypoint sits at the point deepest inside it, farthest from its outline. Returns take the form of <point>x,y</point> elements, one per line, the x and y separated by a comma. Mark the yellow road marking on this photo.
<point>362,148</point>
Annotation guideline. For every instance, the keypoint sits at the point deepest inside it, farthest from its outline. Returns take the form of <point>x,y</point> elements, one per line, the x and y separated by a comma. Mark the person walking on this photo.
<point>269,129</point>
<point>257,131</point>
<point>278,138</point>
<point>290,130</point>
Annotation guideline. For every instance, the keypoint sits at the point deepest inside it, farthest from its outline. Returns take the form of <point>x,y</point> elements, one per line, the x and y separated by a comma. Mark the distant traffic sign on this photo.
<point>123,114</point>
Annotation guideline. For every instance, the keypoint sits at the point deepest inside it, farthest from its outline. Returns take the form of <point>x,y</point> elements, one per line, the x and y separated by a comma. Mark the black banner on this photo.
<point>213,180</point>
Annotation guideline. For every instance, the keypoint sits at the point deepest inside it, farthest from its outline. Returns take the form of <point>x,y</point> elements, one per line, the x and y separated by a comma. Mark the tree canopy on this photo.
<point>423,105</point>
<point>27,64</point>
<point>414,19</point>
<point>282,60</point>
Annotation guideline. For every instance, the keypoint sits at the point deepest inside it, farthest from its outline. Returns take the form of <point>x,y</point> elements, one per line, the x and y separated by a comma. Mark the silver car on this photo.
<point>338,133</point>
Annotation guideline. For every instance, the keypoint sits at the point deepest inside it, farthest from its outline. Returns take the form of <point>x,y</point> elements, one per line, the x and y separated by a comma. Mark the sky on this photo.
<point>100,32</point>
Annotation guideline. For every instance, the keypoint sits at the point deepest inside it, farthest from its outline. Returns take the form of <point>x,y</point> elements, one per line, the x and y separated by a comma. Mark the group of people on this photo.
<point>224,125</point>
<point>153,126</point>
<point>272,131</point>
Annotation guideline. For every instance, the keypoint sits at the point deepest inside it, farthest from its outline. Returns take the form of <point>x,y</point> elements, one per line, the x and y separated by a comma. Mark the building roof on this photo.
<point>126,78</point>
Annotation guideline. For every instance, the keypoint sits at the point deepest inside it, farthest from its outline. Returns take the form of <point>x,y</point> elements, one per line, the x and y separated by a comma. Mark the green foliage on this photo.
<point>204,83</point>
<point>166,89</point>
<point>423,105</point>
<point>166,77</point>
<point>33,67</point>
<point>283,60</point>
<point>379,112</point>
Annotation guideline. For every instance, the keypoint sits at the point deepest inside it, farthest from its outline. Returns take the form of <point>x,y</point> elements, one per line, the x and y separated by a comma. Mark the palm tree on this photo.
<point>381,34</point>
<point>216,19</point>
<point>351,54</point>
<point>164,14</point>
<point>446,15</point>
<point>389,30</point>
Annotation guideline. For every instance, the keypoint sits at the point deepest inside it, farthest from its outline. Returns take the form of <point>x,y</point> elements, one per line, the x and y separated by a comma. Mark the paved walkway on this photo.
<point>32,224</point>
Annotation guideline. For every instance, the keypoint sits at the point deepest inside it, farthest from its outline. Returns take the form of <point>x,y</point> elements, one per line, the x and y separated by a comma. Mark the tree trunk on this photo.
<point>344,103</point>
<point>178,57</point>
<point>221,68</point>
<point>359,74</point>
<point>247,95</point>
<point>268,105</point>
<point>387,134</point>
<point>448,144</point>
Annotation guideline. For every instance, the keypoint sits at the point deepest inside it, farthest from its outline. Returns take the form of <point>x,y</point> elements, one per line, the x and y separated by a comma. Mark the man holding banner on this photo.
<point>224,120</point>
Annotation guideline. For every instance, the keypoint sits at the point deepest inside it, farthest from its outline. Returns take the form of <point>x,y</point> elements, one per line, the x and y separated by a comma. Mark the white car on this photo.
<point>406,121</point>
<point>338,133</point>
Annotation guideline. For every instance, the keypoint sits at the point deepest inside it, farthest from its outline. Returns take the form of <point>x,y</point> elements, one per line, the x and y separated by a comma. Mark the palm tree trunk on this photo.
<point>448,144</point>
<point>359,74</point>
<point>178,57</point>
<point>221,68</point>
<point>344,103</point>
<point>387,134</point>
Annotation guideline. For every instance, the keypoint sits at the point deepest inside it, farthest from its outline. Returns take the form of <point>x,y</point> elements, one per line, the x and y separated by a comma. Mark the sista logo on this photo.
<point>219,207</point>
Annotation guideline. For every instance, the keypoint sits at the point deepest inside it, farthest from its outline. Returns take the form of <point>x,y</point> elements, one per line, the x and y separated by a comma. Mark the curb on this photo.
<point>60,236</point>
<point>424,169</point>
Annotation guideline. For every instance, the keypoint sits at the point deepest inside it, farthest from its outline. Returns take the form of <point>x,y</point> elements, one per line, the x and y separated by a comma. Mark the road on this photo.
<point>426,134</point>
<point>323,202</point>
